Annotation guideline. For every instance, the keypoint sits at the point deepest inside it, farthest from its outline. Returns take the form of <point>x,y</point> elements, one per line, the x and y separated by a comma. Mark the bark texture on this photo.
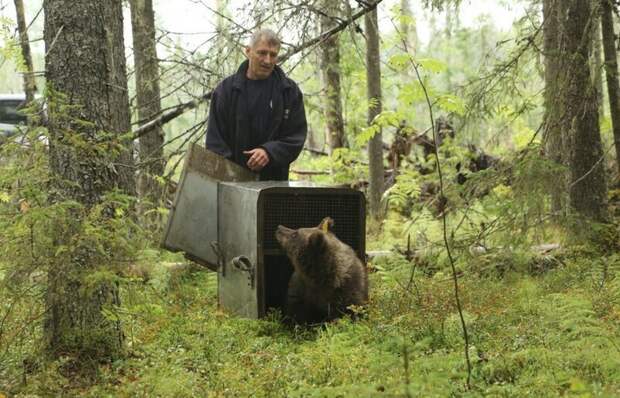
<point>330,67</point>
<point>30,85</point>
<point>151,153</point>
<point>85,66</point>
<point>375,146</point>
<point>553,110</point>
<point>580,122</point>
<point>611,72</point>
<point>597,57</point>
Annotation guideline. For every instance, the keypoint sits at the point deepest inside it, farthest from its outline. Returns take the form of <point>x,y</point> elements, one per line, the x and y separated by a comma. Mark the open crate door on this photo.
<point>256,270</point>
<point>193,219</point>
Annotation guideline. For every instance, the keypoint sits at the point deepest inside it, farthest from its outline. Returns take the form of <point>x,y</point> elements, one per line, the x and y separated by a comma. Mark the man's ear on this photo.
<point>316,240</point>
<point>247,51</point>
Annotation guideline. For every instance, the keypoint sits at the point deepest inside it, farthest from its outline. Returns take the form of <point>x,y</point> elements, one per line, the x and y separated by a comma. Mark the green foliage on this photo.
<point>44,233</point>
<point>400,61</point>
<point>451,104</point>
<point>11,60</point>
<point>382,120</point>
<point>541,324</point>
<point>553,334</point>
<point>404,192</point>
<point>410,93</point>
<point>431,65</point>
<point>10,49</point>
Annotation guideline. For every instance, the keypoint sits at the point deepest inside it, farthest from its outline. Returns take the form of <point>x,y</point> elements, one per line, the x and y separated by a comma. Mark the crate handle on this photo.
<point>243,263</point>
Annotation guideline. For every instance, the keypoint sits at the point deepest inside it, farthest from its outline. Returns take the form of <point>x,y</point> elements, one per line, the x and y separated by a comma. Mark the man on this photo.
<point>256,116</point>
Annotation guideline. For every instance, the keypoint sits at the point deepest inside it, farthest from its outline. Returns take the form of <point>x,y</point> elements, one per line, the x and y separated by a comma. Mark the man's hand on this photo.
<point>258,159</point>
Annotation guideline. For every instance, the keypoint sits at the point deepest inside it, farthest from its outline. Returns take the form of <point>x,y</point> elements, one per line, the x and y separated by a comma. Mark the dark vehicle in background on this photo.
<point>10,115</point>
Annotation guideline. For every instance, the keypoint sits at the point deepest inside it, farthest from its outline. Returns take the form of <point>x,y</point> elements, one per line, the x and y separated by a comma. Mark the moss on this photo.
<point>526,340</point>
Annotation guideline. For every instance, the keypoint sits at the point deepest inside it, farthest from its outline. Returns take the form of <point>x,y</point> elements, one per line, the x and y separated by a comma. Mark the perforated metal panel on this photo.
<point>307,207</point>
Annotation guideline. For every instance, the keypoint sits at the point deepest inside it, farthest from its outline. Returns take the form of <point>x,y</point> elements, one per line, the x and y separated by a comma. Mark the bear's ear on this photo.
<point>327,224</point>
<point>316,240</point>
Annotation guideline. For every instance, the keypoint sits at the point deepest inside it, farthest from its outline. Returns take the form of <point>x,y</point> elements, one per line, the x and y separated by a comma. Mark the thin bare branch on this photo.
<point>184,107</point>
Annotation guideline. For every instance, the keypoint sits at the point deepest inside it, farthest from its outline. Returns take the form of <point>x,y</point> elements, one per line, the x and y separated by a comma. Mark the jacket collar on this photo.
<point>239,79</point>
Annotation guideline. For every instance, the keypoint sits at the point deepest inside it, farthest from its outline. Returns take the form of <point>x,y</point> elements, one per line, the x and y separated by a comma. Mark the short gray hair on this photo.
<point>268,35</point>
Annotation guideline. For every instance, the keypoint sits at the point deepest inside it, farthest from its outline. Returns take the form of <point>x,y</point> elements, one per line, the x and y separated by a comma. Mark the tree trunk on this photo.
<point>222,29</point>
<point>151,152</point>
<point>85,67</point>
<point>452,21</point>
<point>553,131</point>
<point>30,86</point>
<point>611,72</point>
<point>597,61</point>
<point>587,189</point>
<point>220,7</point>
<point>408,28</point>
<point>375,146</point>
<point>330,67</point>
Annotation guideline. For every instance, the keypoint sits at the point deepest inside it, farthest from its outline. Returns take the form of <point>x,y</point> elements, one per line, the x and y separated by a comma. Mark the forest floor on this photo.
<point>538,326</point>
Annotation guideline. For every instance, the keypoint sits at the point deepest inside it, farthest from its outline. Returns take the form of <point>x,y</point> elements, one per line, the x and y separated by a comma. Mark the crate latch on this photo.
<point>242,263</point>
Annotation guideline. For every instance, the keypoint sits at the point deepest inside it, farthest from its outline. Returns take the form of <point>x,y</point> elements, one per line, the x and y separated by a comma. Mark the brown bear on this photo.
<point>328,276</point>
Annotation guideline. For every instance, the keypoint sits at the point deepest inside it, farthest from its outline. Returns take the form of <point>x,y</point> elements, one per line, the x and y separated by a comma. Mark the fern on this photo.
<point>605,273</point>
<point>575,317</point>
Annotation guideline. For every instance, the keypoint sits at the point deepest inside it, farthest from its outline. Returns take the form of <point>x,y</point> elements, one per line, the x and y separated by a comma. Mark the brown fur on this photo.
<point>328,276</point>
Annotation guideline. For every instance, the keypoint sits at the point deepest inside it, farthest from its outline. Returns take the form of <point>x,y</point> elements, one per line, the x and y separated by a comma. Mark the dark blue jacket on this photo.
<point>228,126</point>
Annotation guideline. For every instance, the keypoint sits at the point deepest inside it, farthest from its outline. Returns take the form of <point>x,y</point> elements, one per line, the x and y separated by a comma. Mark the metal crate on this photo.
<point>192,222</point>
<point>223,218</point>
<point>255,271</point>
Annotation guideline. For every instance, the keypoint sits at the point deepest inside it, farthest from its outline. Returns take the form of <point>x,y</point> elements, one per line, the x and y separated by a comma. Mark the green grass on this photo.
<point>555,334</point>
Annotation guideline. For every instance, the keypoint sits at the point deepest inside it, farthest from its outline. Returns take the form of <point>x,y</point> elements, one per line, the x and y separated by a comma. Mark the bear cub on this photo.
<point>328,276</point>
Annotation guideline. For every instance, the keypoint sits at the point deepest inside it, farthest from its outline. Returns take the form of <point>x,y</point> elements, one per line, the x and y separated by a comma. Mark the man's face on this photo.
<point>263,58</point>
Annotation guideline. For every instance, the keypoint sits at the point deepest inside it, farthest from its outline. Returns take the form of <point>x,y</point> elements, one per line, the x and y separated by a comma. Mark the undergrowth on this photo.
<point>542,321</point>
<point>548,334</point>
